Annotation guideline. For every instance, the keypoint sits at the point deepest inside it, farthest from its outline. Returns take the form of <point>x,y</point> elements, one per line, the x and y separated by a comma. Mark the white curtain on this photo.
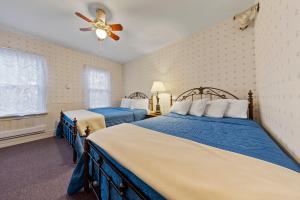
<point>97,87</point>
<point>22,83</point>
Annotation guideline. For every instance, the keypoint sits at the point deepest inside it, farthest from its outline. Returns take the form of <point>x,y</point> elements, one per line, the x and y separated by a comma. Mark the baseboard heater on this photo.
<point>10,134</point>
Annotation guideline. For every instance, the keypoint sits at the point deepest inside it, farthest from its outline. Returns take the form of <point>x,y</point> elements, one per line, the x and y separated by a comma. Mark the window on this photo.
<point>97,88</point>
<point>22,83</point>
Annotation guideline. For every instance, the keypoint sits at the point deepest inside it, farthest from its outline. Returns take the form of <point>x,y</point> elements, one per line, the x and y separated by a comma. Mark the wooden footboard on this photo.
<point>90,184</point>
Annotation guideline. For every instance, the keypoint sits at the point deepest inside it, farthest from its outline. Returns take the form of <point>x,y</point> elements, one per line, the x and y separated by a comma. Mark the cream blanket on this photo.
<point>86,118</point>
<point>181,169</point>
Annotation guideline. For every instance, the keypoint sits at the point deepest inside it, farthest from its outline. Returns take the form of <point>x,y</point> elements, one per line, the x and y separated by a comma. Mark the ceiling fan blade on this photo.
<point>100,15</point>
<point>116,27</point>
<point>83,17</point>
<point>114,36</point>
<point>86,29</point>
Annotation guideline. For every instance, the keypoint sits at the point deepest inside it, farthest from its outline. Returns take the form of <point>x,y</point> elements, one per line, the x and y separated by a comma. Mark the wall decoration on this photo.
<point>247,17</point>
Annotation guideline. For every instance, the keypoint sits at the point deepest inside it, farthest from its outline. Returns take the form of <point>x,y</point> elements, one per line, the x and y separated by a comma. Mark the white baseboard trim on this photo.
<point>29,138</point>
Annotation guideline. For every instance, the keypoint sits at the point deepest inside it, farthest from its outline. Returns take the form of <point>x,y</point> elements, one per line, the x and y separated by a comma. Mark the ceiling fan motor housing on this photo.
<point>100,15</point>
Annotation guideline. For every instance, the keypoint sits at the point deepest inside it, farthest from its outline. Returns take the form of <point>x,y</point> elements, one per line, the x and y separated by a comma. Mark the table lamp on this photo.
<point>157,87</point>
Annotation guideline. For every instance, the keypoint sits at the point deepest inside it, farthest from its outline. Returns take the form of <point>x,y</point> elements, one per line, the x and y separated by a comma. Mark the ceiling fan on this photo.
<point>99,25</point>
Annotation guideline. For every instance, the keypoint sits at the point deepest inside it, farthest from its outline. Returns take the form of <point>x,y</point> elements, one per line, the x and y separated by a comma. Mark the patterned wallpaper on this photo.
<point>221,56</point>
<point>65,69</point>
<point>277,39</point>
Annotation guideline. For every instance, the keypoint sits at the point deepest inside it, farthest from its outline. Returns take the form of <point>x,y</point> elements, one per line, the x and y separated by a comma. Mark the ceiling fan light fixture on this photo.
<point>99,25</point>
<point>101,34</point>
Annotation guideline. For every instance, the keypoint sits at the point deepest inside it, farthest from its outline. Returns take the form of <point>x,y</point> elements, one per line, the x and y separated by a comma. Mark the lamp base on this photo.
<point>157,112</point>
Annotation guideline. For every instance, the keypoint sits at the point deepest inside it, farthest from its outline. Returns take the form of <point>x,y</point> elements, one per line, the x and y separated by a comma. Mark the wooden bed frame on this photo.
<point>126,184</point>
<point>70,129</point>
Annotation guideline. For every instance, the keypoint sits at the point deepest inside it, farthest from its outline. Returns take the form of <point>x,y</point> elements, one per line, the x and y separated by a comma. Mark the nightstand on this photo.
<point>152,114</point>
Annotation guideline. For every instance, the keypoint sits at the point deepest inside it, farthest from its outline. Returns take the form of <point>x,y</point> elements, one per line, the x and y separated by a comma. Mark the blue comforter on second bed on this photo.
<point>118,115</point>
<point>113,116</point>
<point>237,135</point>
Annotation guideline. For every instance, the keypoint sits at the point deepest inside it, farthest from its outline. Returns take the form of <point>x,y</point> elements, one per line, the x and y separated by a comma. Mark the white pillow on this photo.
<point>139,104</point>
<point>181,107</point>
<point>216,108</point>
<point>125,103</point>
<point>198,107</point>
<point>237,108</point>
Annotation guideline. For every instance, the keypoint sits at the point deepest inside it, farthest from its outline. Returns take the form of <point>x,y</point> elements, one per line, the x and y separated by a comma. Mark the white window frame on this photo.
<point>19,60</point>
<point>91,88</point>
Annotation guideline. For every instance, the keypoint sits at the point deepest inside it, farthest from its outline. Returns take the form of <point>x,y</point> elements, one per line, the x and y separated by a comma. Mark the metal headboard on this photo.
<point>212,92</point>
<point>141,95</point>
<point>137,95</point>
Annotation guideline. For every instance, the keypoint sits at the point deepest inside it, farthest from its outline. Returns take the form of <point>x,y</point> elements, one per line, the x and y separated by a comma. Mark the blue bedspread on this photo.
<point>237,135</point>
<point>114,116</point>
<point>118,115</point>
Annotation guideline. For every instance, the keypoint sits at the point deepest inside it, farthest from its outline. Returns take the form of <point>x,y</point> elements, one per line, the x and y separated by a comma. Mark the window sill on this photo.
<point>15,117</point>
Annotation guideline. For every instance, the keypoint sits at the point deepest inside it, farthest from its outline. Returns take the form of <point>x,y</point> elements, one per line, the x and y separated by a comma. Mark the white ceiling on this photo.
<point>148,24</point>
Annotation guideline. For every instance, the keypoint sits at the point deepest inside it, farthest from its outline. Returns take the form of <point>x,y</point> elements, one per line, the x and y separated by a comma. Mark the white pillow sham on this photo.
<point>237,108</point>
<point>198,107</point>
<point>181,107</point>
<point>125,103</point>
<point>216,108</point>
<point>139,104</point>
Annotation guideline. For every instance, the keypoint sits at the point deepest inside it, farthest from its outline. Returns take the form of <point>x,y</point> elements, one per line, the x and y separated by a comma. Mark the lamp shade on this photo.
<point>158,86</point>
